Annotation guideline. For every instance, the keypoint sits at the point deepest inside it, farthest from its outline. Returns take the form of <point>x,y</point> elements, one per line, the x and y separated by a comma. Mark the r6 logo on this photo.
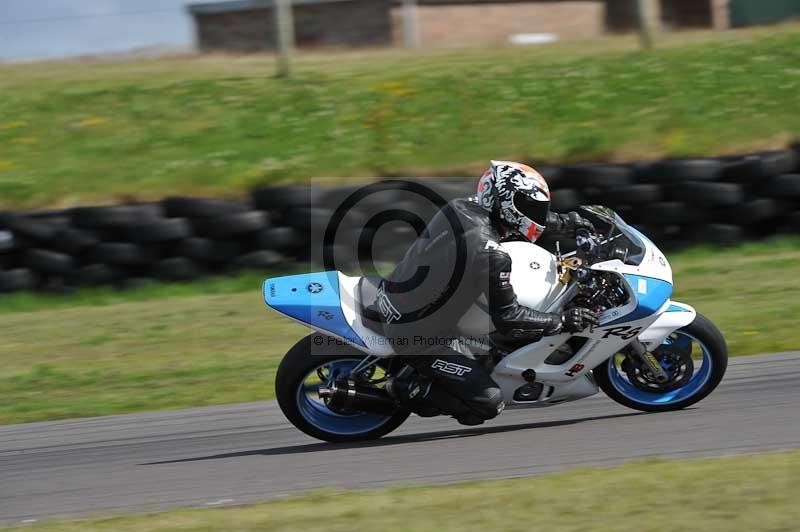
<point>625,332</point>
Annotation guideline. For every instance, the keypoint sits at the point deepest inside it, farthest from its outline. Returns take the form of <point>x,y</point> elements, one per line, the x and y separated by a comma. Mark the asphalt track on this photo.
<point>241,453</point>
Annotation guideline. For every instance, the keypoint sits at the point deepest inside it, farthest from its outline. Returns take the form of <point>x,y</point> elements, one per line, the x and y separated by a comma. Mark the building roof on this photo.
<point>243,5</point>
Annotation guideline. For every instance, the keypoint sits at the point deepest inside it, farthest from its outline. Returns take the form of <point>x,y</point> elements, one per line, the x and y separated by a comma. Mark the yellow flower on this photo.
<point>400,92</point>
<point>395,89</point>
<point>15,124</point>
<point>675,140</point>
<point>92,122</point>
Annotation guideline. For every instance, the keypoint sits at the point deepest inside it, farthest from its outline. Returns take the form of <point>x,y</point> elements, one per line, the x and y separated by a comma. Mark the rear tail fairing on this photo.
<point>326,302</point>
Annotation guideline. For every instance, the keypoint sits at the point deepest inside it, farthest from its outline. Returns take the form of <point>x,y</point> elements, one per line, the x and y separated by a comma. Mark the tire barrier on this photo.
<point>676,202</point>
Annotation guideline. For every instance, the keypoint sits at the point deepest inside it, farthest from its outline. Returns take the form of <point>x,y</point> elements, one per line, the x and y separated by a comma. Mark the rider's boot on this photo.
<point>470,419</point>
<point>417,393</point>
<point>412,391</point>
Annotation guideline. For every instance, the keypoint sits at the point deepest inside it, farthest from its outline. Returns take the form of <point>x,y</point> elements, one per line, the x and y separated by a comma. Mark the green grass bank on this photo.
<point>79,132</point>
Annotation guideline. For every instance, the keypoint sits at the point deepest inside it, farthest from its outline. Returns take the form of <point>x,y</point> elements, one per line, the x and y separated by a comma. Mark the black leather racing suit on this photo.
<point>456,267</point>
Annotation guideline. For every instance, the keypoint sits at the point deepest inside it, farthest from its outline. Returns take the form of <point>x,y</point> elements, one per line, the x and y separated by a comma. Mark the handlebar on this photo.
<point>586,241</point>
<point>595,247</point>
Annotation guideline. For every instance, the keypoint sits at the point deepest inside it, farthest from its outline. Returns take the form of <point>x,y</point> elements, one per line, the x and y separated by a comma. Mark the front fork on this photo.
<point>640,353</point>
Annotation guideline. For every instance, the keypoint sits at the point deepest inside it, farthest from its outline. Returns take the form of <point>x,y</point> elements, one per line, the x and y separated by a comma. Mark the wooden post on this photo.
<point>410,24</point>
<point>645,23</point>
<point>284,34</point>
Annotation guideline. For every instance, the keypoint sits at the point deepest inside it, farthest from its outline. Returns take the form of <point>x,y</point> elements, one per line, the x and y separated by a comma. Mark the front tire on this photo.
<point>300,368</point>
<point>705,340</point>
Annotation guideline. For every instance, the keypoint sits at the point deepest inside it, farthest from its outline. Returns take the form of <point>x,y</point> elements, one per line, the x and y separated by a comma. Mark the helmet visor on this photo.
<point>531,208</point>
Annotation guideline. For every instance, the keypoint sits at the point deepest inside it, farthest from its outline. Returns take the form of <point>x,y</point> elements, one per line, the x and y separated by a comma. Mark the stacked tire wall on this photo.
<point>720,201</point>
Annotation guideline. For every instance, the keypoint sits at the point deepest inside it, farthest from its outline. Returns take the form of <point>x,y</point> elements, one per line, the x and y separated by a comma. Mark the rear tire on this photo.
<point>706,333</point>
<point>300,361</point>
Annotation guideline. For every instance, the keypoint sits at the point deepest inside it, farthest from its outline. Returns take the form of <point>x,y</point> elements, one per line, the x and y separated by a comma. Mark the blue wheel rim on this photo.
<point>695,384</point>
<point>317,413</point>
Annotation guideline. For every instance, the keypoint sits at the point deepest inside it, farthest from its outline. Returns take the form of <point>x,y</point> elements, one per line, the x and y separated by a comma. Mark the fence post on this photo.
<point>645,12</point>
<point>284,33</point>
<point>410,24</point>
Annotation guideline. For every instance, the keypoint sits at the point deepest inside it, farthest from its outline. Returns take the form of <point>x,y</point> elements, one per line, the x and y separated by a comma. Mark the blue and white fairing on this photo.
<point>648,279</point>
<point>649,315</point>
<point>326,302</point>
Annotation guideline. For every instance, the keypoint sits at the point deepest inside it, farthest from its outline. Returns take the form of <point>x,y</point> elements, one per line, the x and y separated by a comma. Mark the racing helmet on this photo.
<point>516,195</point>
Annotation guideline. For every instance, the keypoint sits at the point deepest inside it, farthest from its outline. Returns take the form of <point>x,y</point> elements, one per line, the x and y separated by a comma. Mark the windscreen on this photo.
<point>627,240</point>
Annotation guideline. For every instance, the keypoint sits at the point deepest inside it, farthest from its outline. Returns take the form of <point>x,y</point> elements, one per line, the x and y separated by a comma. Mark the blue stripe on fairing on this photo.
<point>676,308</point>
<point>291,296</point>
<point>656,293</point>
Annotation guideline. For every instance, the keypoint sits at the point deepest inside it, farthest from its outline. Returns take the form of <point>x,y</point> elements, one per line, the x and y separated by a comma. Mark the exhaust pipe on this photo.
<point>348,395</point>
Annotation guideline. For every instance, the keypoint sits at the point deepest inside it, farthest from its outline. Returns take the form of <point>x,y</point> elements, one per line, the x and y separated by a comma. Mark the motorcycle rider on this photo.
<point>454,283</point>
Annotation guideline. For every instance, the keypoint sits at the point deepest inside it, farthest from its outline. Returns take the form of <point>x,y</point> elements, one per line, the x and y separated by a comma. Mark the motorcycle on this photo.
<point>648,353</point>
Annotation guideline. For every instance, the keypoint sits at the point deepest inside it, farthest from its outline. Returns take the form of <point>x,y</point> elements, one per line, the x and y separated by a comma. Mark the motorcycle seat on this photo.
<point>367,302</point>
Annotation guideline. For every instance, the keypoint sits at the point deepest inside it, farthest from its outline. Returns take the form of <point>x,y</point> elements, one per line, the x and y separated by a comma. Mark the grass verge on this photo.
<point>741,493</point>
<point>214,342</point>
<point>98,131</point>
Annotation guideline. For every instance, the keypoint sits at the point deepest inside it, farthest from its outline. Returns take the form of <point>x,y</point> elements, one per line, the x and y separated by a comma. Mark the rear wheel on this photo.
<point>304,369</point>
<point>694,357</point>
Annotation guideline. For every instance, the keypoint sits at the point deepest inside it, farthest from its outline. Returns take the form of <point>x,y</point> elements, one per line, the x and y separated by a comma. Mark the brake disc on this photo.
<point>676,360</point>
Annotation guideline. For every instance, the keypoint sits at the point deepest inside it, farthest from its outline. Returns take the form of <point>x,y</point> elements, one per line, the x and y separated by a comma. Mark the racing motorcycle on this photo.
<point>649,353</point>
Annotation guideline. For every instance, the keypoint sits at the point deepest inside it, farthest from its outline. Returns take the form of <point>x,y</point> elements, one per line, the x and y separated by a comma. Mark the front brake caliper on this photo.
<point>649,361</point>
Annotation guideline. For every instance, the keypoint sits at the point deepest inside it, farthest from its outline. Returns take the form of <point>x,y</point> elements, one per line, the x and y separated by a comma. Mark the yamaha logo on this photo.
<point>535,265</point>
<point>314,288</point>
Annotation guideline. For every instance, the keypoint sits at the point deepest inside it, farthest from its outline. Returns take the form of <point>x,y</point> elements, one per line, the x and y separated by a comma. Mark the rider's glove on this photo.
<point>577,222</point>
<point>553,324</point>
<point>578,318</point>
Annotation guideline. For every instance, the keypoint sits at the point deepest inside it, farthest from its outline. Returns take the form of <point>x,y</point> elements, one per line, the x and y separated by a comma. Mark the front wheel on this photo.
<point>304,369</point>
<point>694,357</point>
